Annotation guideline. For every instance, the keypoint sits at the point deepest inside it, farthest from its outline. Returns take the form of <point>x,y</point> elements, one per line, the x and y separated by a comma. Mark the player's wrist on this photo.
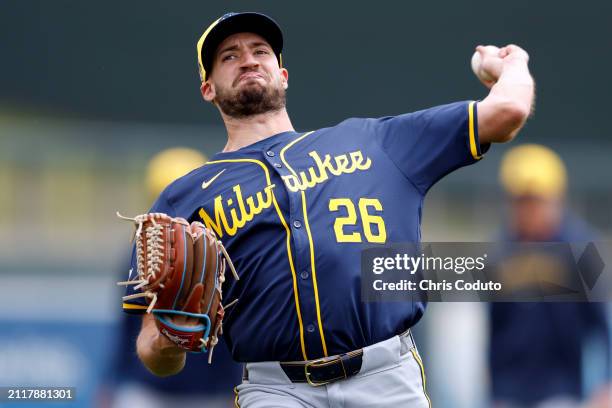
<point>515,62</point>
<point>516,72</point>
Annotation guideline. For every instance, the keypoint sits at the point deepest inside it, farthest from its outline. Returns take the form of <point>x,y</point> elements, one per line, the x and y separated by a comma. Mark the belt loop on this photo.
<point>245,373</point>
<point>414,345</point>
<point>406,342</point>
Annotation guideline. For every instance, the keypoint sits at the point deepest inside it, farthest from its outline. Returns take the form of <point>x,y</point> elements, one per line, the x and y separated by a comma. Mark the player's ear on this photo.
<point>284,78</point>
<point>207,90</point>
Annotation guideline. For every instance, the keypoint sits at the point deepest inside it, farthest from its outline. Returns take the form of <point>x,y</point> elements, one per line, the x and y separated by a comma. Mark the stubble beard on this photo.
<point>250,100</point>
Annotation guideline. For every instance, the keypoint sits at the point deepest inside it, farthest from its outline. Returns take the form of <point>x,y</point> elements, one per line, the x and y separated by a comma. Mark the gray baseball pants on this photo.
<point>391,375</point>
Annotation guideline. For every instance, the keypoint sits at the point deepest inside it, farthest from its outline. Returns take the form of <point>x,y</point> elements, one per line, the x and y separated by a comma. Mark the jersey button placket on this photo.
<point>301,254</point>
<point>302,262</point>
<point>274,161</point>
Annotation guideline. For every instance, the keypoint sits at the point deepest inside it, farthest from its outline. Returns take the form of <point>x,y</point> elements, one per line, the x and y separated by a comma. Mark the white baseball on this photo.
<point>476,65</point>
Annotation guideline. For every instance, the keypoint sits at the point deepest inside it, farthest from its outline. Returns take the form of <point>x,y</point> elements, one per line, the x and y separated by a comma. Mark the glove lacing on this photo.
<point>155,238</point>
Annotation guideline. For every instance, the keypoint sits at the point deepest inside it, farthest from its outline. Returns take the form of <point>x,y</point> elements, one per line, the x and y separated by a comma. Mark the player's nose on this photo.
<point>248,60</point>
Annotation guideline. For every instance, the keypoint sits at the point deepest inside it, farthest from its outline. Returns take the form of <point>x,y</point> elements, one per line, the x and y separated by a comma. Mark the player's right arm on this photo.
<point>158,354</point>
<point>510,101</point>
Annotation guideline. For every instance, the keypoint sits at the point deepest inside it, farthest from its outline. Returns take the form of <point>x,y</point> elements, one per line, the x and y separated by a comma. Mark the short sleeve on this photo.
<point>428,144</point>
<point>139,305</point>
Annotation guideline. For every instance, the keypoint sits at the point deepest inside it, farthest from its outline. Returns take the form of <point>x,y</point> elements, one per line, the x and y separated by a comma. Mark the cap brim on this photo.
<point>240,23</point>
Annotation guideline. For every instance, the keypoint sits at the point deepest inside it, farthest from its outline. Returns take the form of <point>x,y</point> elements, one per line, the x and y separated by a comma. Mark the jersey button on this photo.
<point>270,153</point>
<point>304,275</point>
<point>277,165</point>
<point>310,328</point>
<point>297,224</point>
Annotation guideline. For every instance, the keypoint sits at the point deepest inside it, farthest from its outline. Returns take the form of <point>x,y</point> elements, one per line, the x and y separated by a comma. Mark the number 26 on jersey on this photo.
<point>373,225</point>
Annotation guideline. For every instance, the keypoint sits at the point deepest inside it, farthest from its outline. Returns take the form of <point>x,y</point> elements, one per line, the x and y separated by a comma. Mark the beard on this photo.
<point>252,99</point>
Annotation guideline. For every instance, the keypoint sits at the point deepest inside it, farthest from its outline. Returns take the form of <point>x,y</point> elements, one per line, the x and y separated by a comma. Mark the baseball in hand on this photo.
<point>481,73</point>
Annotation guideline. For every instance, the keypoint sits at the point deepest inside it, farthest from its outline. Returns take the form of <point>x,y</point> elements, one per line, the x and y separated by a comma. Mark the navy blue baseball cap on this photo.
<point>232,23</point>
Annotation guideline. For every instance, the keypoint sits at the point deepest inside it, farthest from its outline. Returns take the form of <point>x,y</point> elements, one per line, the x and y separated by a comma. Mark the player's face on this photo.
<point>246,79</point>
<point>537,218</point>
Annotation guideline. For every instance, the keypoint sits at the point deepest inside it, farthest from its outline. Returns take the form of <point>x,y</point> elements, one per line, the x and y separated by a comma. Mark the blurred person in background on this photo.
<point>199,384</point>
<point>537,350</point>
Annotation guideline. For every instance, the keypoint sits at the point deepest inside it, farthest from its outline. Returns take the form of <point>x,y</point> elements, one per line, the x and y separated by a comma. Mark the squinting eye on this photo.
<point>261,52</point>
<point>228,57</point>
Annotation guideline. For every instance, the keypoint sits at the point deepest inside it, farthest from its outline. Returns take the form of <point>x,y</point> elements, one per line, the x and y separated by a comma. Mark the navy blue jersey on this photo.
<point>536,349</point>
<point>294,212</point>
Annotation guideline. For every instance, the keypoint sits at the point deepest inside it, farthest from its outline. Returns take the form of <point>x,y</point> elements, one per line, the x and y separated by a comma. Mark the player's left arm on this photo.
<point>510,101</point>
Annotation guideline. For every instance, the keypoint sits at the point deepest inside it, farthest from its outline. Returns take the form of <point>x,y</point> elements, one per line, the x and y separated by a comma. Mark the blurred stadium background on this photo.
<point>89,92</point>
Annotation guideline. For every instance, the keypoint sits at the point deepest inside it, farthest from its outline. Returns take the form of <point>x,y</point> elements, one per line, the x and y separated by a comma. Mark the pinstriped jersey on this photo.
<point>294,212</point>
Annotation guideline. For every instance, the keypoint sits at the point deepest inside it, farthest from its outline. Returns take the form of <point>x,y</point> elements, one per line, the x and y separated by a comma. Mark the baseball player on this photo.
<point>536,349</point>
<point>295,209</point>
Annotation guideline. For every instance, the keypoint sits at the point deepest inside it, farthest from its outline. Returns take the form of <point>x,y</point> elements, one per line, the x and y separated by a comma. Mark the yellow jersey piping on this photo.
<point>312,257</point>
<point>472,132</point>
<point>131,306</point>
<point>288,242</point>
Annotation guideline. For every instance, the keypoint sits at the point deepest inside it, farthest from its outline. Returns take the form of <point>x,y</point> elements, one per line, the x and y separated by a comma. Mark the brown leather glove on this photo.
<point>181,268</point>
